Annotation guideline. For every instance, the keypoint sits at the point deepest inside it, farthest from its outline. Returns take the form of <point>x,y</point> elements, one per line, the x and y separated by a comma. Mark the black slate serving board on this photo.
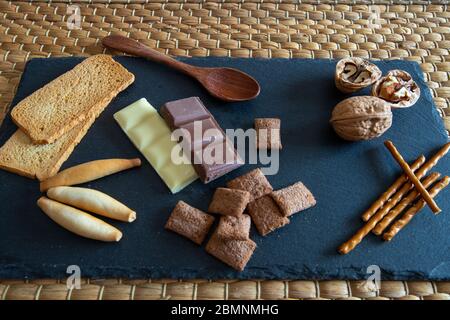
<point>345,178</point>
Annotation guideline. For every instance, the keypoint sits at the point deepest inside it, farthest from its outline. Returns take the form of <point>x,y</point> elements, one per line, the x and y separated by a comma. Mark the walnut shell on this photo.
<point>361,118</point>
<point>353,74</point>
<point>397,88</point>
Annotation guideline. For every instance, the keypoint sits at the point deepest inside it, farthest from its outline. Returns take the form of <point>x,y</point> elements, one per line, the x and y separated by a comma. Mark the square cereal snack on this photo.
<point>294,198</point>
<point>266,215</point>
<point>254,182</point>
<point>229,202</point>
<point>234,228</point>
<point>235,253</point>
<point>268,133</point>
<point>189,222</point>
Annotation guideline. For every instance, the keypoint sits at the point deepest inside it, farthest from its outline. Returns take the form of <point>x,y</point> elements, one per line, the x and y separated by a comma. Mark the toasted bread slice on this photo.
<point>20,155</point>
<point>68,100</point>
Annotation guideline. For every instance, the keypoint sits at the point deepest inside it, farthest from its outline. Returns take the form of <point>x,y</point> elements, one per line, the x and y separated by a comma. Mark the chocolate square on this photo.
<point>200,133</point>
<point>268,133</point>
<point>293,199</point>
<point>185,114</point>
<point>266,215</point>
<point>179,112</point>
<point>254,182</point>
<point>189,222</point>
<point>215,160</point>
<point>230,202</point>
<point>234,228</point>
<point>235,253</point>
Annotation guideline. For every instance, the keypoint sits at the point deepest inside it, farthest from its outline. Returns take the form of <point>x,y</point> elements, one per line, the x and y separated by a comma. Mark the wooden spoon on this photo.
<point>223,83</point>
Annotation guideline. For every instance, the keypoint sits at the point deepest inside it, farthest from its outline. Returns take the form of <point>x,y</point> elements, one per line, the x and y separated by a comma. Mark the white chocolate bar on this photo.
<point>151,135</point>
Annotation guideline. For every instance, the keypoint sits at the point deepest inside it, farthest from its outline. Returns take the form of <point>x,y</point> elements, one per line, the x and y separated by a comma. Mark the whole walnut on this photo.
<point>361,118</point>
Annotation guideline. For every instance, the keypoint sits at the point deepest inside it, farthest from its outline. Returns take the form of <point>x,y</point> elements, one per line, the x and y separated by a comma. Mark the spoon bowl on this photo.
<point>223,83</point>
<point>229,84</point>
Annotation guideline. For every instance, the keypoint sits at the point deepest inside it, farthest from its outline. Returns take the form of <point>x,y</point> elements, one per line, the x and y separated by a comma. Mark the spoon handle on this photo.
<point>135,48</point>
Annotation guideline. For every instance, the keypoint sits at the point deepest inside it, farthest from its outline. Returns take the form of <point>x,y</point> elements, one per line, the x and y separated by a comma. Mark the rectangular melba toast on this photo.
<point>56,108</point>
<point>20,155</point>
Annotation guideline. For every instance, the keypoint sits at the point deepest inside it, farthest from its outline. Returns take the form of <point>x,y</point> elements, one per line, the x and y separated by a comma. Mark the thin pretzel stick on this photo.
<point>413,195</point>
<point>372,222</point>
<point>408,215</point>
<point>412,177</point>
<point>391,190</point>
<point>375,219</point>
<point>420,173</point>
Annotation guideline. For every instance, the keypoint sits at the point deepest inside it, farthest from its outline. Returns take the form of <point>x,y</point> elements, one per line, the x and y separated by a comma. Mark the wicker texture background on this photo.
<point>419,32</point>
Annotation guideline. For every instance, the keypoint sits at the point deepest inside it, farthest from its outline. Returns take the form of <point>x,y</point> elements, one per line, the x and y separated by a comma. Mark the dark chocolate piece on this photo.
<point>179,112</point>
<point>293,199</point>
<point>206,166</point>
<point>235,253</point>
<point>183,114</point>
<point>266,215</point>
<point>230,202</point>
<point>254,182</point>
<point>189,222</point>
<point>200,133</point>
<point>234,228</point>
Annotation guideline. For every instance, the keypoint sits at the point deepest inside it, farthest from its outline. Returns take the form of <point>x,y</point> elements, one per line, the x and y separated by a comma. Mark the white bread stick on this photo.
<point>92,201</point>
<point>78,222</point>
<point>88,171</point>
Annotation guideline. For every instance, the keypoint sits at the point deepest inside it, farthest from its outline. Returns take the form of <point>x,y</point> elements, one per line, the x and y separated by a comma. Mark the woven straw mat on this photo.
<point>418,32</point>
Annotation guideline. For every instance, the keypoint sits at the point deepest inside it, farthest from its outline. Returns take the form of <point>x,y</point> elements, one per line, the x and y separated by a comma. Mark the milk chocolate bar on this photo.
<point>204,142</point>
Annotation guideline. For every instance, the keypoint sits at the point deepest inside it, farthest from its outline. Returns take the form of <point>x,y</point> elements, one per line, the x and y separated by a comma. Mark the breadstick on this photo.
<point>408,215</point>
<point>88,171</point>
<point>413,195</point>
<point>78,222</point>
<point>92,201</point>
<point>412,177</point>
<point>391,190</point>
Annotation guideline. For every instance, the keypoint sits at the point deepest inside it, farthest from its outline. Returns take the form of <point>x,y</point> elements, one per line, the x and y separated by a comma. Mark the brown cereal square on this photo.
<point>266,215</point>
<point>254,182</point>
<point>293,199</point>
<point>268,133</point>
<point>229,202</point>
<point>189,222</point>
<point>235,253</point>
<point>234,228</point>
